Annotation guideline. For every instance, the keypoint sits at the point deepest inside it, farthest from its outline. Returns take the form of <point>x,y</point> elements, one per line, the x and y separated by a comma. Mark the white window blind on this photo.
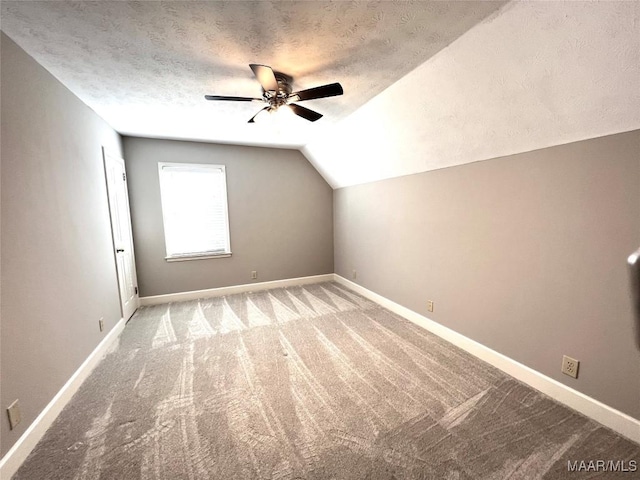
<point>194,210</point>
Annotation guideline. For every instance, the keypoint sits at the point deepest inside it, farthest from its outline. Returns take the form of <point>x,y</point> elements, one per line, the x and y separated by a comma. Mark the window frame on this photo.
<point>195,255</point>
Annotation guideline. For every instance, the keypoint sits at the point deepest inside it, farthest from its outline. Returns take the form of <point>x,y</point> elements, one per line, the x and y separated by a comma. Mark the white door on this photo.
<point>121,230</point>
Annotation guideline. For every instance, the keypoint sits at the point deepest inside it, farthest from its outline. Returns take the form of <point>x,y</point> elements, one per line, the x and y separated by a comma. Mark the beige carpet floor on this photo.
<point>309,382</point>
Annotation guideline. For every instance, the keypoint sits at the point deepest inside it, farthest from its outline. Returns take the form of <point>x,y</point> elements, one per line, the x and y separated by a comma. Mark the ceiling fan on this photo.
<point>276,93</point>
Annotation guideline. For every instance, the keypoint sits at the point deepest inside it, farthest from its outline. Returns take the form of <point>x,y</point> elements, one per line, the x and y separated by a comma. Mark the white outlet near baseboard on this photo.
<point>254,274</point>
<point>354,274</point>
<point>570,366</point>
<point>14,414</point>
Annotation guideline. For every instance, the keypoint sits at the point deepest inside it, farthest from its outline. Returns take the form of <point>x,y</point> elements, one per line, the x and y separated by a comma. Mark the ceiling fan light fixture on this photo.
<point>277,114</point>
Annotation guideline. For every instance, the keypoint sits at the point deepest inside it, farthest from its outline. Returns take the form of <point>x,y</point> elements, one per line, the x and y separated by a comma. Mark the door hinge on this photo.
<point>124,177</point>
<point>136,290</point>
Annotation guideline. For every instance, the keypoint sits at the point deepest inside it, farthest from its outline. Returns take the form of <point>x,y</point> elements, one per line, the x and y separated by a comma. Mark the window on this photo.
<point>194,210</point>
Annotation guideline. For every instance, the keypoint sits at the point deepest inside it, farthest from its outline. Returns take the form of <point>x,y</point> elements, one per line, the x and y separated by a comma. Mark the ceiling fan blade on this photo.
<point>253,119</point>
<point>265,76</point>
<point>330,90</point>
<point>233,99</point>
<point>305,112</point>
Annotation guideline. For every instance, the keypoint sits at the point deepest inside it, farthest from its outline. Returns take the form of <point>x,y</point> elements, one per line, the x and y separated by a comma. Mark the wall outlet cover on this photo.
<point>570,366</point>
<point>14,414</point>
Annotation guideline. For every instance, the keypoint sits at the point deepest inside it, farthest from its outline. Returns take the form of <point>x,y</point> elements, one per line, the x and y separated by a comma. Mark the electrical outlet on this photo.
<point>354,274</point>
<point>254,275</point>
<point>14,414</point>
<point>570,366</point>
<point>101,324</point>
<point>430,305</point>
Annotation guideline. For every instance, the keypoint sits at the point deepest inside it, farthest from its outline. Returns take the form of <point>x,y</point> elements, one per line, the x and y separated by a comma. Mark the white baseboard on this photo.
<point>221,291</point>
<point>620,422</point>
<point>22,448</point>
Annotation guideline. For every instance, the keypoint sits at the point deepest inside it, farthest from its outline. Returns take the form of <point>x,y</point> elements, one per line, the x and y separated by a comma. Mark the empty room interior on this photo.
<point>320,240</point>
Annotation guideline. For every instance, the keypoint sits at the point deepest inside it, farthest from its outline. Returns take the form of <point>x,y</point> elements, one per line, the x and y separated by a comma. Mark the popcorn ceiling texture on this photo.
<point>427,84</point>
<point>537,75</point>
<point>145,66</point>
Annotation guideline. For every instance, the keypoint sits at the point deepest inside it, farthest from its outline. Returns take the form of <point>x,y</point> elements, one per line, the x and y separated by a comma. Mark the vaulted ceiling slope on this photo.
<point>146,66</point>
<point>537,75</point>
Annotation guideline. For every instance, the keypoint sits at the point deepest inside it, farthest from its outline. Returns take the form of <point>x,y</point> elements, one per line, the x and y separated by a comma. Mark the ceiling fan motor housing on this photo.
<point>278,98</point>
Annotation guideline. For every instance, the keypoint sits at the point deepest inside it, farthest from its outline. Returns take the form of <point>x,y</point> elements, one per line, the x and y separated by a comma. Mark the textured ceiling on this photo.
<point>145,66</point>
<point>537,75</point>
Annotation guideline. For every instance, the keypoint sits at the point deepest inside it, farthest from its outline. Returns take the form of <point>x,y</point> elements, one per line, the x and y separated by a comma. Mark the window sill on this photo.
<point>186,258</point>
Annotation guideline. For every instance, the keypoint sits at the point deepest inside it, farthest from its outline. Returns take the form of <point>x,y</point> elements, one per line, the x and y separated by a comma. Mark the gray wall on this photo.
<point>524,254</point>
<point>58,275</point>
<point>280,216</point>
